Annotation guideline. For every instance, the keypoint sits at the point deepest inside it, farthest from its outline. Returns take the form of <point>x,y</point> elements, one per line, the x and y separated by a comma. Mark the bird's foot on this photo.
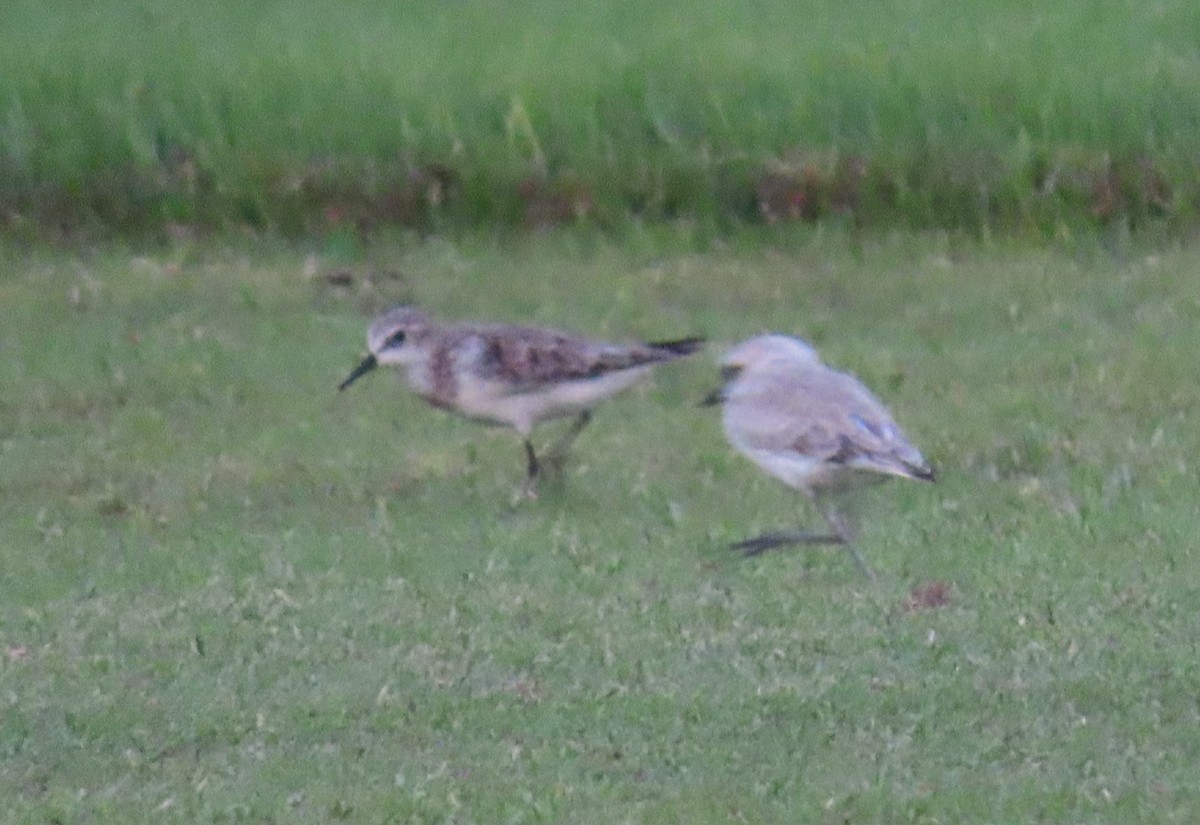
<point>770,541</point>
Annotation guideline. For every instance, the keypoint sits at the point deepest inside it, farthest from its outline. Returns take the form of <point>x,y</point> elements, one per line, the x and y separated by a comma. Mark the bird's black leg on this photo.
<point>844,528</point>
<point>533,469</point>
<point>533,466</point>
<point>841,532</point>
<point>558,450</point>
<point>784,538</point>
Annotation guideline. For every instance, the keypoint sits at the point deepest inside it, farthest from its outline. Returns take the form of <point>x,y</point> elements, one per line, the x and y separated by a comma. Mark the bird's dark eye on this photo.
<point>730,372</point>
<point>395,339</point>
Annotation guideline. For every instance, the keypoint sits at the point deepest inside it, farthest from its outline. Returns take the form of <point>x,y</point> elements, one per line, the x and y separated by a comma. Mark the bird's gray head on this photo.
<point>765,349</point>
<point>390,340</point>
<point>391,335</point>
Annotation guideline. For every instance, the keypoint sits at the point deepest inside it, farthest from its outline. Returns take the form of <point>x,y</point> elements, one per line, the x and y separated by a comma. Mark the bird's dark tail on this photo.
<point>683,346</point>
<point>923,473</point>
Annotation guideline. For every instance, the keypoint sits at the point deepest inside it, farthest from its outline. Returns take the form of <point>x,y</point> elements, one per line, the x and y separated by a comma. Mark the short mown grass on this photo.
<point>230,593</point>
<point>296,115</point>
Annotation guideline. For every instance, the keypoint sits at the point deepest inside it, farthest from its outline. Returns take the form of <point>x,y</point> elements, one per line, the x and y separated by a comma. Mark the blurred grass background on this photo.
<point>297,115</point>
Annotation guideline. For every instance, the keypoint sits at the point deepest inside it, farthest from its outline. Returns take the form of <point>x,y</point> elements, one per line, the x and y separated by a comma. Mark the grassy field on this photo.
<point>229,593</point>
<point>294,114</point>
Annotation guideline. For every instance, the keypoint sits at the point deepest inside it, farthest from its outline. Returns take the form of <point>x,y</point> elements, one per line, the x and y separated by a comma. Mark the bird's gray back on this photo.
<point>820,413</point>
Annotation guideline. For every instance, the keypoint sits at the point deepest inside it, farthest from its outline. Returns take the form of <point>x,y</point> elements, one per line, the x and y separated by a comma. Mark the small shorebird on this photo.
<point>817,430</point>
<point>510,375</point>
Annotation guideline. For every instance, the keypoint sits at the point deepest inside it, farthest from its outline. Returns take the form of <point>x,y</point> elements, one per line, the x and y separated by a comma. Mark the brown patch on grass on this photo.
<point>332,194</point>
<point>1132,188</point>
<point>808,185</point>
<point>1105,188</point>
<point>339,277</point>
<point>113,507</point>
<point>927,596</point>
<point>550,202</point>
<point>372,289</point>
<point>424,190</point>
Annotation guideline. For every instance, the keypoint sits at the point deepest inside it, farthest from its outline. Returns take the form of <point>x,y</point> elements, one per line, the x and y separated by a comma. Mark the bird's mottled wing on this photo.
<point>525,358</point>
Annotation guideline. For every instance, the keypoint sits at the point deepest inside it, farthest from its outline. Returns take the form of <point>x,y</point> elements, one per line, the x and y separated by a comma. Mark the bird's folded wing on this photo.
<point>530,358</point>
<point>829,420</point>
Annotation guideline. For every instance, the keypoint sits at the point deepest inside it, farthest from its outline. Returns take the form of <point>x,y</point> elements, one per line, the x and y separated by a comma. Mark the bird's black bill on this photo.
<point>369,363</point>
<point>714,398</point>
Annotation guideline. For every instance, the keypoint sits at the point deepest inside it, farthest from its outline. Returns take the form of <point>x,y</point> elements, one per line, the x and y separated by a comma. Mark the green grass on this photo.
<point>982,114</point>
<point>230,593</point>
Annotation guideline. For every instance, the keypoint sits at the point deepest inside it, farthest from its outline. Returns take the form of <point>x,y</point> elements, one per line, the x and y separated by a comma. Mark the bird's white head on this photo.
<point>391,336</point>
<point>756,355</point>
<point>769,349</point>
<point>392,339</point>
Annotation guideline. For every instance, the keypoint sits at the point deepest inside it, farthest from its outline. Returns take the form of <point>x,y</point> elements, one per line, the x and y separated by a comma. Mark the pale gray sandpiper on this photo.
<point>817,430</point>
<point>510,375</point>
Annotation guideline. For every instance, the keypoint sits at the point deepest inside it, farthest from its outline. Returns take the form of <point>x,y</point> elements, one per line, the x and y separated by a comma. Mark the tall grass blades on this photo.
<point>300,115</point>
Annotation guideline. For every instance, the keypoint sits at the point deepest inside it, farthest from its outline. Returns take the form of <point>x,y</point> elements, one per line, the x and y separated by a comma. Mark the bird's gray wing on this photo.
<point>827,416</point>
<point>867,436</point>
